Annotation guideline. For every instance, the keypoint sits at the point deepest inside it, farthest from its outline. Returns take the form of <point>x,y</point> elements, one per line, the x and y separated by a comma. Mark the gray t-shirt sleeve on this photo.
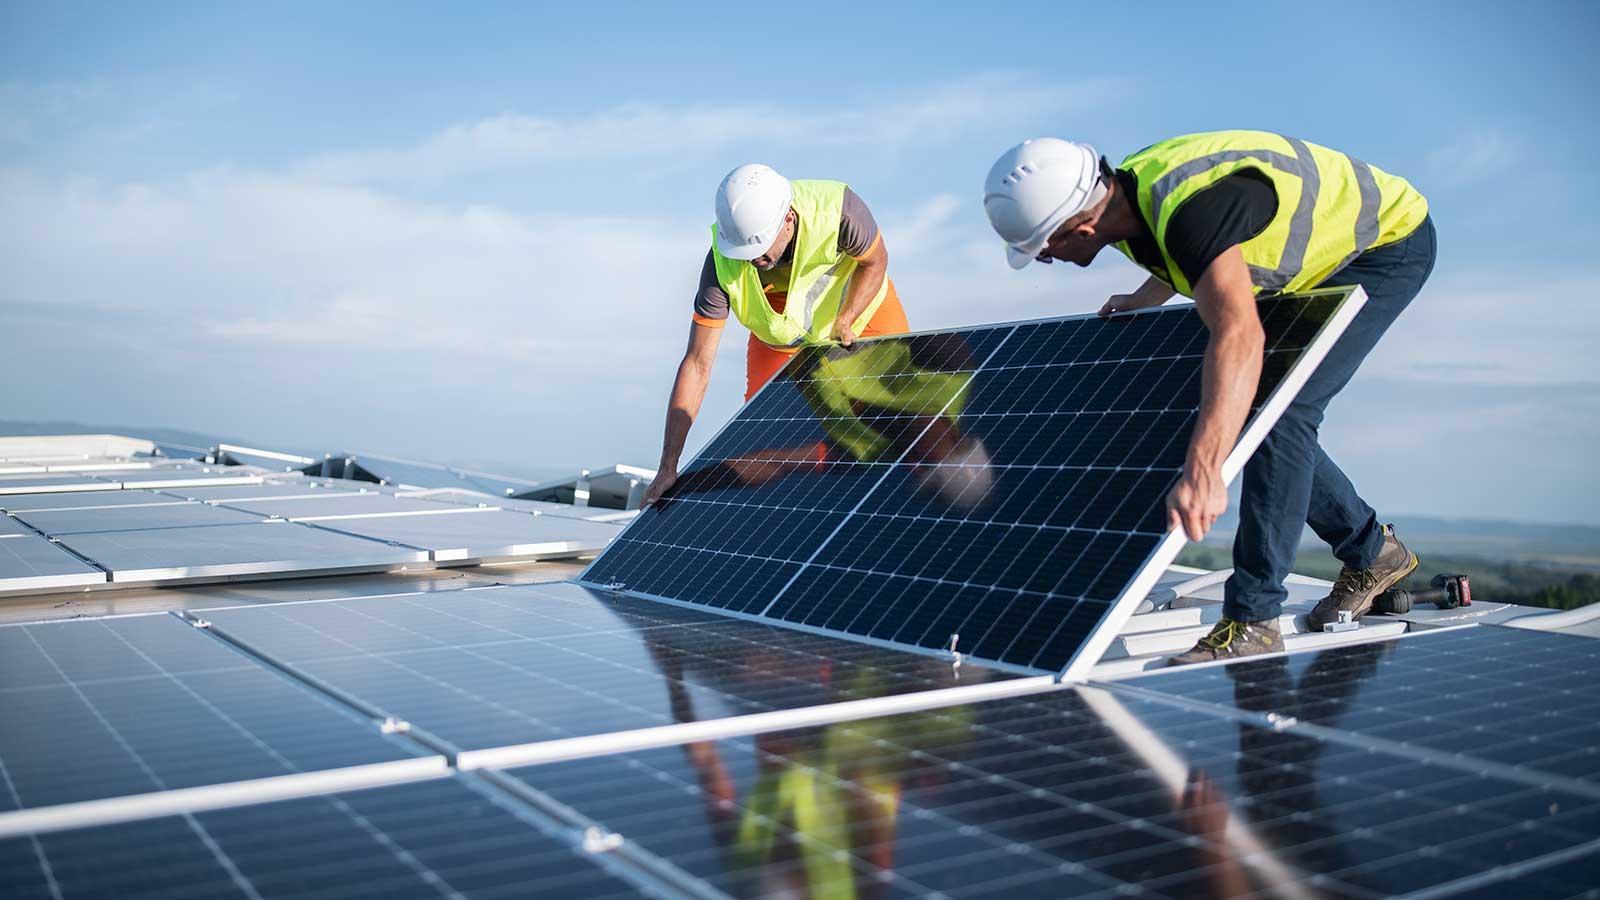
<point>710,302</point>
<point>857,229</point>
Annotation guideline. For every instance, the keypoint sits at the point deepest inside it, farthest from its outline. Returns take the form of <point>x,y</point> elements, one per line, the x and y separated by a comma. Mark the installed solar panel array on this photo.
<point>569,741</point>
<point>1000,489</point>
<point>337,746</point>
<point>162,522</point>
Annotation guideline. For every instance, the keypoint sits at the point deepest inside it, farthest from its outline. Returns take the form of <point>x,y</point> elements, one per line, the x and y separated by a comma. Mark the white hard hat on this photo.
<point>751,204</point>
<point>1034,187</point>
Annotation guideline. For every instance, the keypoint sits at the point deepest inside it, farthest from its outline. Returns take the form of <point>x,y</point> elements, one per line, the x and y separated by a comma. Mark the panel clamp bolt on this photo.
<point>392,725</point>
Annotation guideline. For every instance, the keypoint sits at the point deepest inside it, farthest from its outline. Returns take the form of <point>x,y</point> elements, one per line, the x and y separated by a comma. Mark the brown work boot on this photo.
<point>1355,591</point>
<point>1231,640</point>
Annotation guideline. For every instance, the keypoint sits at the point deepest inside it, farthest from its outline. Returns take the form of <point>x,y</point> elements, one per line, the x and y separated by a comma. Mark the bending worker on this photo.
<point>797,262</point>
<point>1221,217</point>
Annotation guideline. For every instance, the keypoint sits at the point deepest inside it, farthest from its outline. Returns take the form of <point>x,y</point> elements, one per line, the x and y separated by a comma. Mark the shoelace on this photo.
<point>1222,635</point>
<point>1352,581</point>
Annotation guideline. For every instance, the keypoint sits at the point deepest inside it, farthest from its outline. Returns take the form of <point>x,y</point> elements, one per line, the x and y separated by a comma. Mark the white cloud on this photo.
<point>1493,326</point>
<point>663,131</point>
<point>1476,155</point>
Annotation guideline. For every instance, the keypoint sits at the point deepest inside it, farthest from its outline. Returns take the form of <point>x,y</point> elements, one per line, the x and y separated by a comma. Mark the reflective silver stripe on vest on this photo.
<point>814,296</point>
<point>1367,218</point>
<point>1305,214</point>
<point>1301,165</point>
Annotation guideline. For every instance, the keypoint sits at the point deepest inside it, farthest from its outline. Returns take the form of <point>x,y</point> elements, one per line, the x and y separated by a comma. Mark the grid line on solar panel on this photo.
<point>444,838</point>
<point>128,706</point>
<point>1506,698</point>
<point>480,669</point>
<point>1049,791</point>
<point>1014,547</point>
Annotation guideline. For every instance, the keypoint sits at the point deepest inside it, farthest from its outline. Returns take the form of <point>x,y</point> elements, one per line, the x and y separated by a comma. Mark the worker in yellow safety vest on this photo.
<point>1222,217</point>
<point>796,262</point>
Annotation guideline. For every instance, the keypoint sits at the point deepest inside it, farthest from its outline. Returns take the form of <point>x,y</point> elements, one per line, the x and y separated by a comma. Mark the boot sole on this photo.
<point>1383,585</point>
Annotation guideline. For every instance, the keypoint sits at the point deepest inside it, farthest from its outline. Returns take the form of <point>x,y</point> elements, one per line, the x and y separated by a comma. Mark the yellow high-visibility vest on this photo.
<point>1331,207</point>
<point>818,279</point>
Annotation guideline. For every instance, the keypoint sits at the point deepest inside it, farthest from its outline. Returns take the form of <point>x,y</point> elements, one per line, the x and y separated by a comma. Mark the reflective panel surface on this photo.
<point>999,487</point>
<point>435,839</point>
<point>510,665</point>
<point>210,551</point>
<point>1077,793</point>
<point>81,499</point>
<point>104,708</point>
<point>1522,698</point>
<point>133,518</point>
<point>31,563</point>
<point>456,533</point>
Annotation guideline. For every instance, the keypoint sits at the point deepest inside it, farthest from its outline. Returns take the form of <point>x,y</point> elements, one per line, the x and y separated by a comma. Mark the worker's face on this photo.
<point>1075,242</point>
<point>780,245</point>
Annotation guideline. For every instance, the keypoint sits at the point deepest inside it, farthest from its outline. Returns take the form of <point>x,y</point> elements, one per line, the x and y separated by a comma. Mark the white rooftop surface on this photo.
<point>485,534</point>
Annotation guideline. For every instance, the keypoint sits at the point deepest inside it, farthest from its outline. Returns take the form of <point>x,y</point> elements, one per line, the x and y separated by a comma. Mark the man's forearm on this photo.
<point>1228,384</point>
<point>863,287</point>
<point>1153,292</point>
<point>688,391</point>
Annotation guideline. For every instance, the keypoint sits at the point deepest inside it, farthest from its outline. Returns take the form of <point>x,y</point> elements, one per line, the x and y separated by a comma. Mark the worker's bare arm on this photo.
<point>1153,292</point>
<point>871,270</point>
<point>688,391</point>
<point>1232,369</point>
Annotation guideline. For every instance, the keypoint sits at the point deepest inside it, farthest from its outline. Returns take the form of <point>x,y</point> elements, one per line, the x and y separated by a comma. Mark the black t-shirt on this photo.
<point>1232,211</point>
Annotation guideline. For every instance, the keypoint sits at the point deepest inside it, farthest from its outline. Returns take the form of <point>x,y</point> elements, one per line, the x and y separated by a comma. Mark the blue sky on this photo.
<point>473,236</point>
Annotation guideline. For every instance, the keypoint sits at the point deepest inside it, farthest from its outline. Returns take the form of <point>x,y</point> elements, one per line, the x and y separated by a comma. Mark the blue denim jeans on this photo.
<point>1291,482</point>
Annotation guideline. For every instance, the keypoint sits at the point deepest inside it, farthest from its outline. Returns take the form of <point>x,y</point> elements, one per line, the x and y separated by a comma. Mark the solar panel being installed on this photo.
<point>446,838</point>
<point>1000,488</point>
<point>513,665</point>
<point>1077,793</point>
<point>121,706</point>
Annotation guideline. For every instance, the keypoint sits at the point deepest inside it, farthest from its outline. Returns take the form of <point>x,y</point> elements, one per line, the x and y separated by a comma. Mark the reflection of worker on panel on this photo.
<point>879,402</point>
<point>821,800</point>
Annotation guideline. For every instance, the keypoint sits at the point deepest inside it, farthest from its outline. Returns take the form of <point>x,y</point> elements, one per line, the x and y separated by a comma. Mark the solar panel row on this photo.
<point>1081,792</point>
